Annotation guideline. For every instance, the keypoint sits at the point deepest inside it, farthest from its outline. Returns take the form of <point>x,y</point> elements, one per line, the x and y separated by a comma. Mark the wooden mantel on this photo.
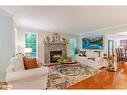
<point>54,43</point>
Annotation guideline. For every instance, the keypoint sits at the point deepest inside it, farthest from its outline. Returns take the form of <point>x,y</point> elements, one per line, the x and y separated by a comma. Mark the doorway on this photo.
<point>110,47</point>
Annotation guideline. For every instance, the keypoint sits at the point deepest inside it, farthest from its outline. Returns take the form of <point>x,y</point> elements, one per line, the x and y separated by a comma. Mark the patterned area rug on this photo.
<point>58,80</point>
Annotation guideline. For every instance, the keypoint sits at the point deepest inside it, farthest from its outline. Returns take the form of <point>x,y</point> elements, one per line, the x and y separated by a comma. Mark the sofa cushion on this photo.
<point>91,54</point>
<point>17,63</point>
<point>29,73</point>
<point>30,63</point>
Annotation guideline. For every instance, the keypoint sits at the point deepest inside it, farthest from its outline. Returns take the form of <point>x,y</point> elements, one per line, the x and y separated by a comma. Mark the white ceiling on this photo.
<point>68,19</point>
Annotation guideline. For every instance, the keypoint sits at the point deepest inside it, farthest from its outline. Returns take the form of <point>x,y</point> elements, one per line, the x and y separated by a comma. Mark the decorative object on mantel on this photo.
<point>47,39</point>
<point>56,37</point>
<point>54,43</point>
<point>64,40</point>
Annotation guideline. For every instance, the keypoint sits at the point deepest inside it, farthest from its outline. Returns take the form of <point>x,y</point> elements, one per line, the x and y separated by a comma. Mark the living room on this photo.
<point>70,45</point>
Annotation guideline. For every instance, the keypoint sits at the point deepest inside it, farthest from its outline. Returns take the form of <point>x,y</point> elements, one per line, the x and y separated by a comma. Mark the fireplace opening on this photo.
<point>54,56</point>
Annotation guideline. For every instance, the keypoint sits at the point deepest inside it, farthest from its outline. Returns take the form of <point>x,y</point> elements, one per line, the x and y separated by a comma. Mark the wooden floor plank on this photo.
<point>105,80</point>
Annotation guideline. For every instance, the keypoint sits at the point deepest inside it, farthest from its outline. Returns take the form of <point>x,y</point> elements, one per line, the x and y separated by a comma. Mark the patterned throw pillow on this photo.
<point>30,63</point>
<point>82,53</point>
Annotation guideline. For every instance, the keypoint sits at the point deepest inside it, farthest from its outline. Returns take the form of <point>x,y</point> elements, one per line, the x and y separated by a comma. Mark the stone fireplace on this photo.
<point>52,51</point>
<point>54,56</point>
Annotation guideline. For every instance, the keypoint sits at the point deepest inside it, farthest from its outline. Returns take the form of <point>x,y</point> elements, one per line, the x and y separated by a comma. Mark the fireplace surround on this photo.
<point>50,47</point>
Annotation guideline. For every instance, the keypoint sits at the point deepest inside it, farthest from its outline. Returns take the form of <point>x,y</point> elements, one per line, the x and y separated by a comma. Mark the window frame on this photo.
<point>70,45</point>
<point>36,41</point>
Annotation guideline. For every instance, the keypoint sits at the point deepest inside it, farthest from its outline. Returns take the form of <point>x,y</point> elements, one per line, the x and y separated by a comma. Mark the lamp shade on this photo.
<point>28,50</point>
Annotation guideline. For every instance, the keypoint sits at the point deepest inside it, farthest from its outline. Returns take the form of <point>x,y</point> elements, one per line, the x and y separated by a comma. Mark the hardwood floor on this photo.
<point>105,80</point>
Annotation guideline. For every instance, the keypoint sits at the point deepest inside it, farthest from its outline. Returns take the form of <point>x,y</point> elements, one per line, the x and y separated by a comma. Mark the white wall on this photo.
<point>106,32</point>
<point>6,42</point>
<point>20,43</point>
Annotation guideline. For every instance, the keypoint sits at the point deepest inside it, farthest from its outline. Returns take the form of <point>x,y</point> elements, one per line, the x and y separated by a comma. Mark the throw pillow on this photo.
<point>98,53</point>
<point>30,63</point>
<point>82,53</point>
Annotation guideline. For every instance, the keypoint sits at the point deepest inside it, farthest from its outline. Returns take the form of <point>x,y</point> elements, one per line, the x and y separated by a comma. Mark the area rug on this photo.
<point>58,80</point>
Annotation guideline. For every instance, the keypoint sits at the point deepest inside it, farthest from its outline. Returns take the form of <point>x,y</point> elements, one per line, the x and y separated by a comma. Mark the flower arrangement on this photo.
<point>65,58</point>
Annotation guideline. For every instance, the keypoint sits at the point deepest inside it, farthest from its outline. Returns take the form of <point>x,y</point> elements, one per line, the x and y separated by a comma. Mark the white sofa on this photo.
<point>98,63</point>
<point>20,78</point>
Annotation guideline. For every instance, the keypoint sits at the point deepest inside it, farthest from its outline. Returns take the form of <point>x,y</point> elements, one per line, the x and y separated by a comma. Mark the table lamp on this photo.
<point>28,52</point>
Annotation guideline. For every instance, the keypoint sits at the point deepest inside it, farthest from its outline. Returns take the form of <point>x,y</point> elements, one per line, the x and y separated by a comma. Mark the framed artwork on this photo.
<point>92,42</point>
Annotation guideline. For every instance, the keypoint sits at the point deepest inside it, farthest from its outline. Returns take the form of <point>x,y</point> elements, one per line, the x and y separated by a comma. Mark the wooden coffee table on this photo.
<point>70,68</point>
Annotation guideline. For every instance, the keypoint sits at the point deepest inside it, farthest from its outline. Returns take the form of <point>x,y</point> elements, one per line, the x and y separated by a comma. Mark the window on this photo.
<point>123,43</point>
<point>73,46</point>
<point>31,42</point>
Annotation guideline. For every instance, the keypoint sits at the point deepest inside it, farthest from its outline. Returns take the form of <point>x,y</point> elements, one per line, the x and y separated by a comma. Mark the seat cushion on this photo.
<point>22,75</point>
<point>17,63</point>
<point>91,54</point>
<point>30,63</point>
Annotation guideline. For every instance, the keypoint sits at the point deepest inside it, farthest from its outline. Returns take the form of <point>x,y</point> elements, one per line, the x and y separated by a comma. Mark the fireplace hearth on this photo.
<point>54,56</point>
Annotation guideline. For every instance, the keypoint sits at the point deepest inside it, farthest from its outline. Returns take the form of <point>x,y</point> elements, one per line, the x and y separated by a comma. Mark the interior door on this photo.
<point>110,47</point>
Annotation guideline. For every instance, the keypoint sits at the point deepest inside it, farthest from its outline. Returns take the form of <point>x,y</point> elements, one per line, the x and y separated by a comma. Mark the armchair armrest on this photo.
<point>14,76</point>
<point>39,64</point>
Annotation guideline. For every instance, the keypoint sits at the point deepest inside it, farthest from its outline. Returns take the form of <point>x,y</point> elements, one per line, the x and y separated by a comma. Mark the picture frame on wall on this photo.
<point>93,42</point>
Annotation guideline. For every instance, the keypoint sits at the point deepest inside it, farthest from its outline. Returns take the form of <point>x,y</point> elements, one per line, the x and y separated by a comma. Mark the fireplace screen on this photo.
<point>54,56</point>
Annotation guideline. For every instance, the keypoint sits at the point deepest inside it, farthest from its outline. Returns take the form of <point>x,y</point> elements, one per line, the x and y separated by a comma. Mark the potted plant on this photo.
<point>47,39</point>
<point>76,51</point>
<point>65,58</point>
